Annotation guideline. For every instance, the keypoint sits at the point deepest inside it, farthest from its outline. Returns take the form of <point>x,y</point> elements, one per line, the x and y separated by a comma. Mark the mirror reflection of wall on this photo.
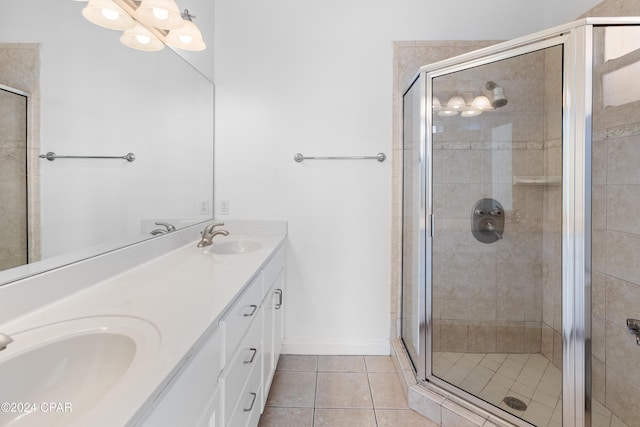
<point>13,171</point>
<point>96,97</point>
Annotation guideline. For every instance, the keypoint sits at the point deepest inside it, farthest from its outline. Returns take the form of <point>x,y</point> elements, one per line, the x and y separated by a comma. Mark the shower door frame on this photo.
<point>576,38</point>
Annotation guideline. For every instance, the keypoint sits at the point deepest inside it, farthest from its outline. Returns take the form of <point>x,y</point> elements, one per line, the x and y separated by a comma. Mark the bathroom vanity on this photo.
<point>227,380</point>
<point>190,337</point>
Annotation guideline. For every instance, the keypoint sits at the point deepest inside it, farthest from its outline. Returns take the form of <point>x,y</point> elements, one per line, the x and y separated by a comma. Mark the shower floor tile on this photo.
<point>530,378</point>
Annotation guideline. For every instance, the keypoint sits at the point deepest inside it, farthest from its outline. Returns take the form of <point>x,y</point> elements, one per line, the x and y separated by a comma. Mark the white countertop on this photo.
<point>182,294</point>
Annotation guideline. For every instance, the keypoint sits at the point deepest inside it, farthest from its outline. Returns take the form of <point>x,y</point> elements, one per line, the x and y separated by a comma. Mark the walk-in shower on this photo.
<point>520,232</point>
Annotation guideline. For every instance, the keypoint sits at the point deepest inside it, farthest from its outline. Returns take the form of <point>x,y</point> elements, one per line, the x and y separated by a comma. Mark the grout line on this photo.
<point>315,396</point>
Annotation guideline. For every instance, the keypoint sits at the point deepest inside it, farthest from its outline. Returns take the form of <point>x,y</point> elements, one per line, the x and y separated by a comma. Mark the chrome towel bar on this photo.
<point>51,156</point>
<point>380,157</point>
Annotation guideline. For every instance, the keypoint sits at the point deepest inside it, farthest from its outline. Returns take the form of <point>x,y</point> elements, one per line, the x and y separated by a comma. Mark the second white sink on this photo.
<point>237,246</point>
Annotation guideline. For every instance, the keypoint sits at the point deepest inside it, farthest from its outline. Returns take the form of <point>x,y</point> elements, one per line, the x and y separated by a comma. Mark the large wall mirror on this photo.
<point>70,87</point>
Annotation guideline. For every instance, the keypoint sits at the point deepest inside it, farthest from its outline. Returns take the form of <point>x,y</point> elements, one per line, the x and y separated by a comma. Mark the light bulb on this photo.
<point>456,102</point>
<point>107,14</point>
<point>471,113</point>
<point>143,39</point>
<point>110,14</point>
<point>161,14</point>
<point>185,39</point>
<point>140,38</point>
<point>481,103</point>
<point>447,113</point>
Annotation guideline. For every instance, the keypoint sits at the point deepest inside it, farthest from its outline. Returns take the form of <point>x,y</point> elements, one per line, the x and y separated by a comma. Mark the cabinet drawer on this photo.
<point>236,323</point>
<point>247,411</point>
<point>237,372</point>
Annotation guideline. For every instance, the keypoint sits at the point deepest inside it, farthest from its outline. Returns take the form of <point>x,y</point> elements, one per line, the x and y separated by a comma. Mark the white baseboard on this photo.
<point>330,347</point>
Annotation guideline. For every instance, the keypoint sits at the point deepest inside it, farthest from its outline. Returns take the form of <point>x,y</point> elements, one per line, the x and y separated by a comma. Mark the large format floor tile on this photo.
<point>336,391</point>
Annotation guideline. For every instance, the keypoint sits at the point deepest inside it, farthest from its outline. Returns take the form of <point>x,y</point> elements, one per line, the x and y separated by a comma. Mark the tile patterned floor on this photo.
<point>528,377</point>
<point>336,391</point>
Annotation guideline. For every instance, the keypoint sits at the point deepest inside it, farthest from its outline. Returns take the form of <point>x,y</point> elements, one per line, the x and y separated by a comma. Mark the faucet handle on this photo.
<point>209,228</point>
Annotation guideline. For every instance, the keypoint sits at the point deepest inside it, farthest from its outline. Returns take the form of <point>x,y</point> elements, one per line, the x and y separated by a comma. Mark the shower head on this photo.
<point>497,95</point>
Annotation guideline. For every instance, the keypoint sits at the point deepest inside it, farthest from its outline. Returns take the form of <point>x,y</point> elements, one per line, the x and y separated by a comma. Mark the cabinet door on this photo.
<point>273,332</point>
<point>278,320</point>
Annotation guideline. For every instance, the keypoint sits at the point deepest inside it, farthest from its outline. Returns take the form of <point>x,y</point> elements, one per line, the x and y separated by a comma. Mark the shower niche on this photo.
<point>499,270</point>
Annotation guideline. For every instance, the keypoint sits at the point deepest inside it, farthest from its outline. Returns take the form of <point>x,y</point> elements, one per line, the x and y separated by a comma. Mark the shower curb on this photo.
<point>435,403</point>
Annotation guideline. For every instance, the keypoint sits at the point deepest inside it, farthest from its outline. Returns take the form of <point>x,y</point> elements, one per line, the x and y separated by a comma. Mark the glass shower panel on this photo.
<point>615,283</point>
<point>497,239</point>
<point>413,265</point>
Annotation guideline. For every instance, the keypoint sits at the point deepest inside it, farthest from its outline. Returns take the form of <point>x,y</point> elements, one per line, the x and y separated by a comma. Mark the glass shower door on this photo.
<point>413,227</point>
<point>496,263</point>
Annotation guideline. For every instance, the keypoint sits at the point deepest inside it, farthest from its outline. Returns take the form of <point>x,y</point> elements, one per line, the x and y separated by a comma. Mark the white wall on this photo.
<point>558,12</point>
<point>316,78</point>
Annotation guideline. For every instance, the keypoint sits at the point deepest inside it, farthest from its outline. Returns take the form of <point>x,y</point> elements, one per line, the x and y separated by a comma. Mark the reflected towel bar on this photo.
<point>51,156</point>
<point>380,157</point>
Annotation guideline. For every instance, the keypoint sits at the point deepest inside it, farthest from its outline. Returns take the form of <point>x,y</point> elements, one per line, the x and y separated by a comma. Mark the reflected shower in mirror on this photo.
<point>89,95</point>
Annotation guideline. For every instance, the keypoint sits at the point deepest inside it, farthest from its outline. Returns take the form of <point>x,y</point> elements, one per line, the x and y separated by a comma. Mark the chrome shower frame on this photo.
<point>576,38</point>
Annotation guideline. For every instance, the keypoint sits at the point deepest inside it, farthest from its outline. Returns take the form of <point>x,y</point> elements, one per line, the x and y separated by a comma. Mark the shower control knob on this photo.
<point>496,212</point>
<point>480,212</point>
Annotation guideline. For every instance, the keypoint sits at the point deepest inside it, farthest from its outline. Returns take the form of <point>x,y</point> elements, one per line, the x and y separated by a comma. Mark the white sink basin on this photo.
<point>237,246</point>
<point>66,369</point>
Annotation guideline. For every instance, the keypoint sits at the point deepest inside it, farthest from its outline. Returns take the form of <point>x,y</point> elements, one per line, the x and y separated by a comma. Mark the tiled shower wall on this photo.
<point>615,233</point>
<point>19,69</point>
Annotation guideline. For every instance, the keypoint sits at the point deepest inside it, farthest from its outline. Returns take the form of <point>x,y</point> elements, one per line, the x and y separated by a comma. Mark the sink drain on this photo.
<point>515,403</point>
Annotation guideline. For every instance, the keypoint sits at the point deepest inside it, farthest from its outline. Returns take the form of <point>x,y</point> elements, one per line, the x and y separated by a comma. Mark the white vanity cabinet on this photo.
<point>255,322</point>
<point>226,382</point>
<point>192,397</point>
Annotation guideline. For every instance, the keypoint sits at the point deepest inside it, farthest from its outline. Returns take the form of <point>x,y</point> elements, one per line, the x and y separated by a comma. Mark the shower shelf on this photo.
<point>537,180</point>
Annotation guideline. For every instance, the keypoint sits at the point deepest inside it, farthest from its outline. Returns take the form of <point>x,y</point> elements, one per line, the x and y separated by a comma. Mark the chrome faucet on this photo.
<point>5,340</point>
<point>168,228</point>
<point>209,233</point>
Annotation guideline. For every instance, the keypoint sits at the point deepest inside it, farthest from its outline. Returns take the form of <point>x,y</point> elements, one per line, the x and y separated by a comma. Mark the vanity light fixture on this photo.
<point>467,106</point>
<point>148,24</point>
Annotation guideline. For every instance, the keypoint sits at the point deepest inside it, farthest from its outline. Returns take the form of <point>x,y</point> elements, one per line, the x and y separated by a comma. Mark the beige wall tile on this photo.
<point>622,352</point>
<point>454,335</point>
<point>482,337</point>
<point>623,157</point>
<point>510,337</point>
<point>621,201</point>
<point>622,250</point>
<point>621,397</point>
